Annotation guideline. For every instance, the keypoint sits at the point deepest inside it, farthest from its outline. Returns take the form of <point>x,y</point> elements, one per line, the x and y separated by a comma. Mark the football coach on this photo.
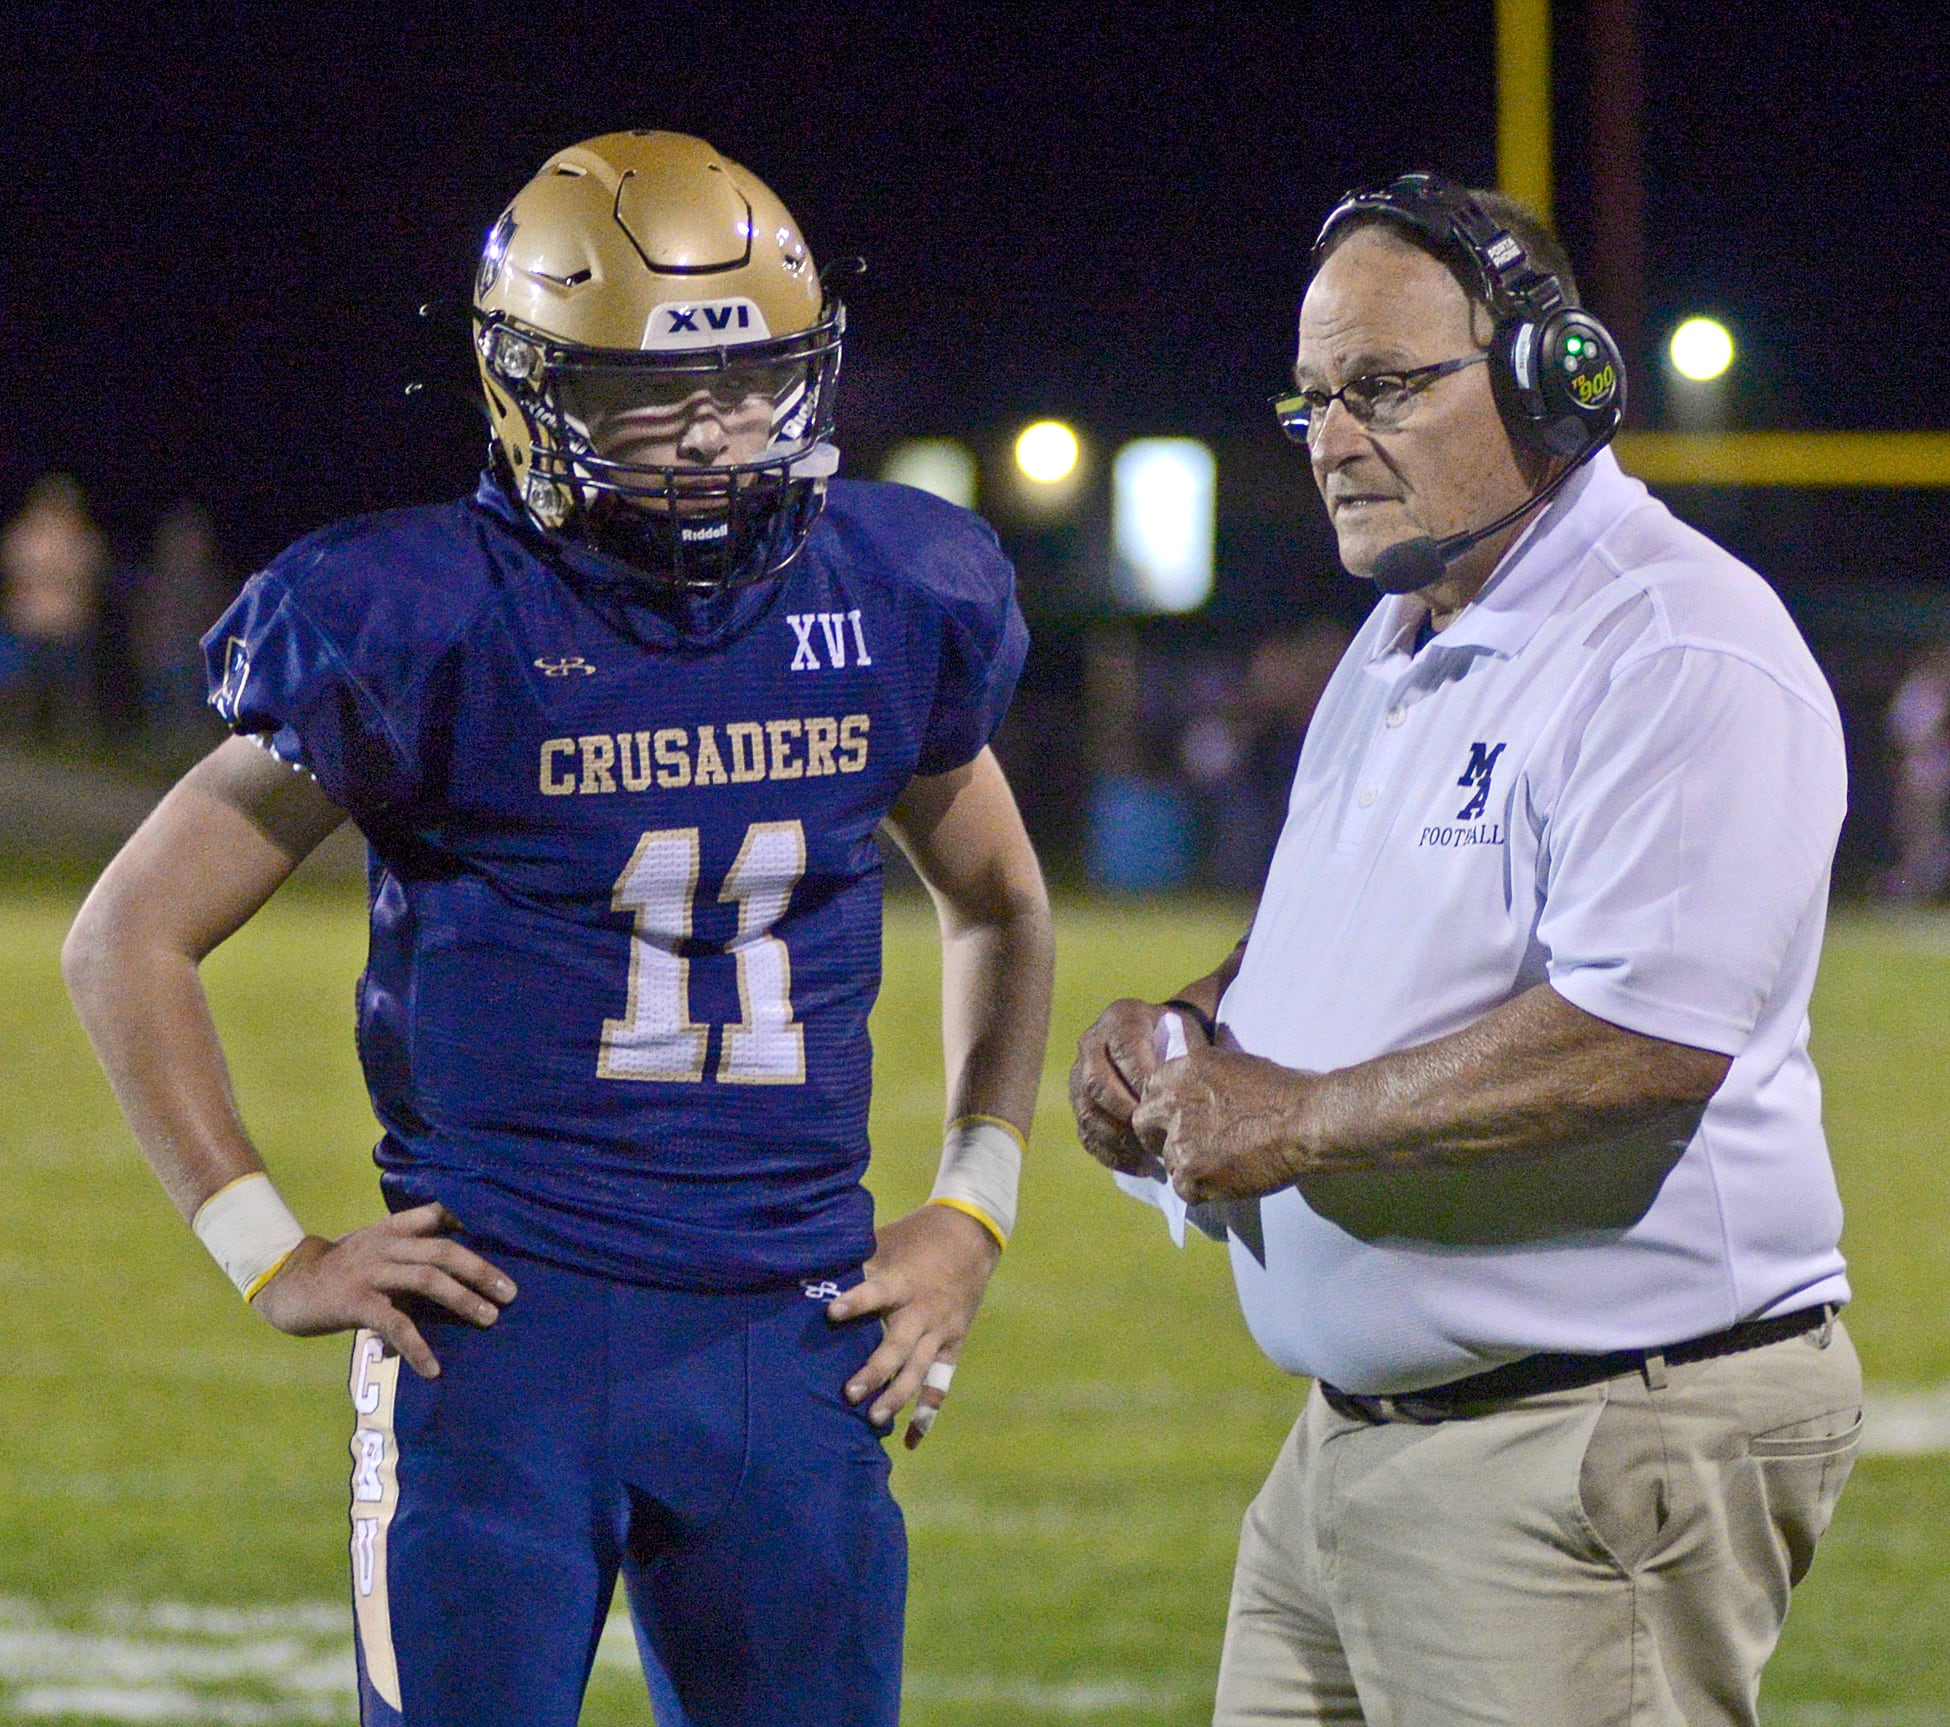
<point>1505,1101</point>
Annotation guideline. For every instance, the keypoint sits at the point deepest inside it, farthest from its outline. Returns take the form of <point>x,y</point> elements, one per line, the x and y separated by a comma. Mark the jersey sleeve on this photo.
<point>1691,839</point>
<point>280,673</point>
<point>985,642</point>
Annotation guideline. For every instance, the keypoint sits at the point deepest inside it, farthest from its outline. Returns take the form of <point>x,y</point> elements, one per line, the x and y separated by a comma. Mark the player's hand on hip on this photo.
<point>1224,1125</point>
<point>359,1280</point>
<point>1115,1058</point>
<point>925,1280</point>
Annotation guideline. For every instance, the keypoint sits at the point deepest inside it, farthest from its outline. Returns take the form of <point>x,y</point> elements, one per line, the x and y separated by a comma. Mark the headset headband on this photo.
<point>1513,285</point>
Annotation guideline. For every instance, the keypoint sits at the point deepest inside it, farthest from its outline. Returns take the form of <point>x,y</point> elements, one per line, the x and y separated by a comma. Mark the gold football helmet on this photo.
<point>642,269</point>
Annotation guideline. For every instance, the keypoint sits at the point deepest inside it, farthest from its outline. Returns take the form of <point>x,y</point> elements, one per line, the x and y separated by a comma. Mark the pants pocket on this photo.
<point>1803,1467</point>
<point>1836,1432</point>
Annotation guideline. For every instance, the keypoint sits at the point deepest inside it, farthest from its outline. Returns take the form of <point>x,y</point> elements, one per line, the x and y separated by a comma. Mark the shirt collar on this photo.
<point>1528,583</point>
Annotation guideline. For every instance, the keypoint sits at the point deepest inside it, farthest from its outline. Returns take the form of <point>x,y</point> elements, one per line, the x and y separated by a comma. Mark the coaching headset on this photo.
<point>1557,374</point>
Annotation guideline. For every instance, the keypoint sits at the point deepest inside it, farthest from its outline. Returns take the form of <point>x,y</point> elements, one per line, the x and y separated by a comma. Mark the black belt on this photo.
<point>1534,1375</point>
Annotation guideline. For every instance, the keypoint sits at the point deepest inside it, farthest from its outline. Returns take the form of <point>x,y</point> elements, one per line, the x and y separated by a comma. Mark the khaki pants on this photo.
<point>1620,1553</point>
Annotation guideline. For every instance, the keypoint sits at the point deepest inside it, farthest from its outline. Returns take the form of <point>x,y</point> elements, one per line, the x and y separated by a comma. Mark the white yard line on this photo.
<point>172,1662</point>
<point>1906,1423</point>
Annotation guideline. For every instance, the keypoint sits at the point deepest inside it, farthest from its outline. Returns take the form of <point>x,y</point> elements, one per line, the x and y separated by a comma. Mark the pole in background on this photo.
<point>1523,103</point>
<point>1615,103</point>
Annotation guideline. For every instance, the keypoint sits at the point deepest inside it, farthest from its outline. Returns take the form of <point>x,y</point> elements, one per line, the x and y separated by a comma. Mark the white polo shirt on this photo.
<point>1618,771</point>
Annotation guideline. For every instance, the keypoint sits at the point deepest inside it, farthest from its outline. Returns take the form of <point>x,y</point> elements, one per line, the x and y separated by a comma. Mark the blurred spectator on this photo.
<point>1240,751</point>
<point>1919,729</point>
<point>179,595</point>
<point>1138,828</point>
<point>52,560</point>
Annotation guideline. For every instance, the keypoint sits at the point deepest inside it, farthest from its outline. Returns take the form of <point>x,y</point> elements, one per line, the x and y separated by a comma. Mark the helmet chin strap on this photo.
<point>714,549</point>
<point>651,542</point>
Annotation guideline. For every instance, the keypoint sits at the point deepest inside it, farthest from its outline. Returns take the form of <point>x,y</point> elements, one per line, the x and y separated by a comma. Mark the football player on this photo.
<point>619,730</point>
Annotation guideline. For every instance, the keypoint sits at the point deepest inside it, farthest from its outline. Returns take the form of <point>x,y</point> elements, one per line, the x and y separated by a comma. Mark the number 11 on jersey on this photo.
<point>656,1038</point>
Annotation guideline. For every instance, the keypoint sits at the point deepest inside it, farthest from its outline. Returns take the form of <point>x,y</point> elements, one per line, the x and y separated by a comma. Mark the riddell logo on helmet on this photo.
<point>705,324</point>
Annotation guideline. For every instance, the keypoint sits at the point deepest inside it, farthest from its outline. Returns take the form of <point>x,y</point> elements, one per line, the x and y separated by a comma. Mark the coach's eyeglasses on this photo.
<point>1380,401</point>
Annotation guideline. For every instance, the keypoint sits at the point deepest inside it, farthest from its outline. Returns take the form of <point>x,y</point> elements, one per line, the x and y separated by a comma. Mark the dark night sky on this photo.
<point>219,222</point>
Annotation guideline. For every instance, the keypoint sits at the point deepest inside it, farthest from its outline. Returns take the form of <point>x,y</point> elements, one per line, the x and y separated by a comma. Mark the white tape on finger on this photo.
<point>922,1419</point>
<point>940,1376</point>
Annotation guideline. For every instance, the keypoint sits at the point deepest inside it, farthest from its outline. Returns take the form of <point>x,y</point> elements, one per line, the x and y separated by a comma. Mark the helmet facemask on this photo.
<point>694,524</point>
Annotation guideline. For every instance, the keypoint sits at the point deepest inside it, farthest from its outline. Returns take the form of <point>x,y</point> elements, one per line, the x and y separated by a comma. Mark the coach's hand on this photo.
<point>1115,1058</point>
<point>340,1285</point>
<point>925,1279</point>
<point>1224,1124</point>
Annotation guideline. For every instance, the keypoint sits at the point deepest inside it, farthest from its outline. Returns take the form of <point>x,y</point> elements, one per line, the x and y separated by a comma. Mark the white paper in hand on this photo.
<point>1171,1045</point>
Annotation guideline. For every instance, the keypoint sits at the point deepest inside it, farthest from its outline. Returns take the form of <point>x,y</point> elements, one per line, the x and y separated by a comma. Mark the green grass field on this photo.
<point>172,1472</point>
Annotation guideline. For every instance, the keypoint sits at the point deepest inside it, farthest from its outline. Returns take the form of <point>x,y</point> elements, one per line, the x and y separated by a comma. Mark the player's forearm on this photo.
<point>208,857</point>
<point>965,839</point>
<point>144,1010</point>
<point>996,982</point>
<point>1533,1075</point>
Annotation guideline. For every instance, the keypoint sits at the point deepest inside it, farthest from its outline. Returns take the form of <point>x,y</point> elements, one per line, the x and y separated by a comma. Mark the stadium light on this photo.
<point>1162,517</point>
<point>1701,349</point>
<point>938,465</point>
<point>1047,452</point>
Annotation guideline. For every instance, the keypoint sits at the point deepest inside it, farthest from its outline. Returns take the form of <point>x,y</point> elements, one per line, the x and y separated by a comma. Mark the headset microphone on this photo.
<point>1413,564</point>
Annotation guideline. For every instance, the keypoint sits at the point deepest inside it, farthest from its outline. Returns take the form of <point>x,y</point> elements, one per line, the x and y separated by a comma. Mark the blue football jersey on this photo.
<point>625,894</point>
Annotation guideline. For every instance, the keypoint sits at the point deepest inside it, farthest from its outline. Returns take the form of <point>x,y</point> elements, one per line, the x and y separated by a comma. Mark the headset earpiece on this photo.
<point>1559,381</point>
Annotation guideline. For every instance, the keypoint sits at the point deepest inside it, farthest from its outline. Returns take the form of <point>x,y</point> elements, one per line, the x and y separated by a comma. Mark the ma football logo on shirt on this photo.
<point>1482,764</point>
<point>1476,776</point>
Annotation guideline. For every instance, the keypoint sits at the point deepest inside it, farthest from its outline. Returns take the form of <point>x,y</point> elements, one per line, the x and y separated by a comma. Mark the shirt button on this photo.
<point>1367,797</point>
<point>1397,715</point>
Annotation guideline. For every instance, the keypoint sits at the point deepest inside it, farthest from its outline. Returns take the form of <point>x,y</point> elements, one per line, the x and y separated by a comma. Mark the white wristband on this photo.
<point>249,1231</point>
<point>981,1166</point>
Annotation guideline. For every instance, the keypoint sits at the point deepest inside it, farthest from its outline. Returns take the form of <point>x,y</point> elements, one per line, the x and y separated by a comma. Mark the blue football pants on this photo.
<point>699,1444</point>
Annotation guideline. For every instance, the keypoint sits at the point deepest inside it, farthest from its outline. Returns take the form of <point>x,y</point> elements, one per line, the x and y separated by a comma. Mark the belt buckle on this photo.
<point>1376,1409</point>
<point>1415,1409</point>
